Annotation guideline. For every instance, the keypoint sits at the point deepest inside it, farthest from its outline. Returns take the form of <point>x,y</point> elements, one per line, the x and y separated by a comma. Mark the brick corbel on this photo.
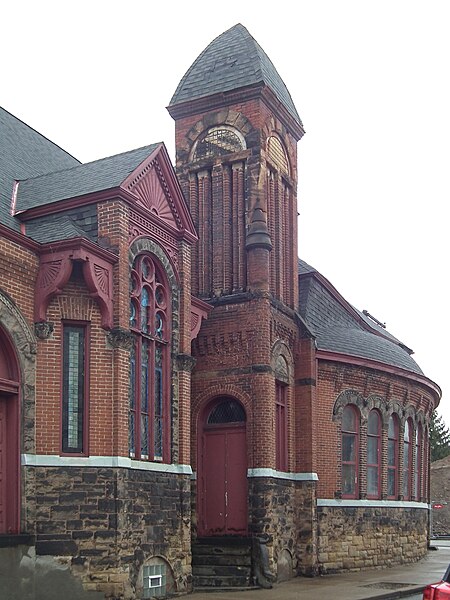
<point>55,269</point>
<point>199,311</point>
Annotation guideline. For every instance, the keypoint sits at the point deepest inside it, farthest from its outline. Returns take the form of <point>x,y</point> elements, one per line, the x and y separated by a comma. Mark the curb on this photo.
<point>398,594</point>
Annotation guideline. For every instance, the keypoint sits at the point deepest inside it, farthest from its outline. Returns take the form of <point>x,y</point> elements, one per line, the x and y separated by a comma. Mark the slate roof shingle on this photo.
<point>338,329</point>
<point>24,153</point>
<point>232,60</point>
<point>79,180</point>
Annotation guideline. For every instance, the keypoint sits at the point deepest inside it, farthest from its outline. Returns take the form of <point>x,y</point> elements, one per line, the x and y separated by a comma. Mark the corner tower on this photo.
<point>236,134</point>
<point>236,159</point>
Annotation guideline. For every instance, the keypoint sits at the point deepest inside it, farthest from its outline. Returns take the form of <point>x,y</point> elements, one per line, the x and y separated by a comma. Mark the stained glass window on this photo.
<point>74,389</point>
<point>149,419</point>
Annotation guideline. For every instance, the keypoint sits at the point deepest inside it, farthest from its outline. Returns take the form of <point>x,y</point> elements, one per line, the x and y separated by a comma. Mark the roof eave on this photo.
<point>257,90</point>
<point>360,361</point>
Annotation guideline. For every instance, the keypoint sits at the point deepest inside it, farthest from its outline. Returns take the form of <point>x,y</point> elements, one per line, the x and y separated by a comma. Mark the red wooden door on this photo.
<point>222,496</point>
<point>3,462</point>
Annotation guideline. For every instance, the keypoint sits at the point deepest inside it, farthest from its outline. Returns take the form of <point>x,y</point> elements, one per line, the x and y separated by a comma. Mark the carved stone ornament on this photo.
<point>186,362</point>
<point>120,338</point>
<point>43,329</point>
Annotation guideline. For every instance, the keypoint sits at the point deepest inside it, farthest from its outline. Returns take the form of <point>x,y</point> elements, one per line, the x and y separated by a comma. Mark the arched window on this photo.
<point>350,452</point>
<point>418,462</point>
<point>407,459</point>
<point>277,154</point>
<point>219,141</point>
<point>149,420</point>
<point>373,454</point>
<point>392,468</point>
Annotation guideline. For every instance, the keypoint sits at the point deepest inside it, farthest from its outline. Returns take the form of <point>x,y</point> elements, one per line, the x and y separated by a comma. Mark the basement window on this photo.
<point>154,581</point>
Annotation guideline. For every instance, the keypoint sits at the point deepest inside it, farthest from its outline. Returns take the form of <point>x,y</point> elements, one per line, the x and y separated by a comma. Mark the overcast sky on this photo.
<point>370,80</point>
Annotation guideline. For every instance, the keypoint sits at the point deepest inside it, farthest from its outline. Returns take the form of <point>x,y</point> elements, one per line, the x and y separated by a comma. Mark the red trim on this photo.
<point>357,446</point>
<point>376,465</point>
<point>12,410</point>
<point>55,268</point>
<point>87,346</point>
<point>407,472</point>
<point>78,201</point>
<point>141,283</point>
<point>9,387</point>
<point>281,438</point>
<point>19,238</point>
<point>394,468</point>
<point>373,364</point>
<point>418,465</point>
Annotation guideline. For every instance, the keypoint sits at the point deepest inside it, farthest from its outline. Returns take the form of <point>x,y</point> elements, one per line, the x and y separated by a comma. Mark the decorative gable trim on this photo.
<point>157,190</point>
<point>55,269</point>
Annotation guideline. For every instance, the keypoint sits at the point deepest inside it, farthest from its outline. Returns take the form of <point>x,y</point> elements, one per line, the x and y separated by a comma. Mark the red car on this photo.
<point>438,591</point>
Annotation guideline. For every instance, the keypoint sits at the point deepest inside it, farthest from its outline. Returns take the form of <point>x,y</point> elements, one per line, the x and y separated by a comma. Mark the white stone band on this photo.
<point>334,503</point>
<point>51,460</point>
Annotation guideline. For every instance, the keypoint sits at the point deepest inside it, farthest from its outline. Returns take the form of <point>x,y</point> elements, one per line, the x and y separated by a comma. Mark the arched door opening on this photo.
<point>222,473</point>
<point>9,439</point>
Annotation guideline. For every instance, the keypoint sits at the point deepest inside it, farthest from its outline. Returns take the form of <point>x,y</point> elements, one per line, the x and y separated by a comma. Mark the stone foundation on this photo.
<point>103,526</point>
<point>282,512</point>
<point>357,538</point>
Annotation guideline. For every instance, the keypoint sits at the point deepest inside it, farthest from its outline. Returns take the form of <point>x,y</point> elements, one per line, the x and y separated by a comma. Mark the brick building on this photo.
<point>175,384</point>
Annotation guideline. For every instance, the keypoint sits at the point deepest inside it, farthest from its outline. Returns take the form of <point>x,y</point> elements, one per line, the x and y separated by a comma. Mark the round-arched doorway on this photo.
<point>222,496</point>
<point>9,438</point>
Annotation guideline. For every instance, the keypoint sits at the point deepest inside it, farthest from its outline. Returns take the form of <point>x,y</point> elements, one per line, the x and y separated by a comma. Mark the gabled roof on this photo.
<point>231,61</point>
<point>106,173</point>
<point>24,153</point>
<point>341,328</point>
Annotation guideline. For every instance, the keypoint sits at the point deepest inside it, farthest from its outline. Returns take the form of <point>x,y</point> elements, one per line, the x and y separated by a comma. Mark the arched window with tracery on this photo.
<point>350,452</point>
<point>149,418</point>
<point>374,455</point>
<point>407,459</point>
<point>392,467</point>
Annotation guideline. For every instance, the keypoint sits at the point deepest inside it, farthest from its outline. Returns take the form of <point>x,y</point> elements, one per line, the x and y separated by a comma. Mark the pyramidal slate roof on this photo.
<point>24,153</point>
<point>231,61</point>
<point>339,327</point>
<point>103,174</point>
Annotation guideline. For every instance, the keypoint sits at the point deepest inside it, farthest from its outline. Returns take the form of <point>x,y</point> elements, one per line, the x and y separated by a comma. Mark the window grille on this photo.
<point>228,411</point>
<point>218,142</point>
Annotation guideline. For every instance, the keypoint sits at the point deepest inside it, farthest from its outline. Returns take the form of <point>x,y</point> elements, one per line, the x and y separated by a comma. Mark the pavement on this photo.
<point>374,584</point>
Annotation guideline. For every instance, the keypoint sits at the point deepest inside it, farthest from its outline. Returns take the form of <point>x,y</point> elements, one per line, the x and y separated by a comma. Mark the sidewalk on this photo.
<point>380,584</point>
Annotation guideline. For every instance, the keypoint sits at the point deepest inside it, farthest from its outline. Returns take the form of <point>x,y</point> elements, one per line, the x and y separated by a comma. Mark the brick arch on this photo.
<point>215,391</point>
<point>17,409</point>
<point>375,402</point>
<point>281,349</point>
<point>144,245</point>
<point>229,117</point>
<point>23,342</point>
<point>352,397</point>
<point>273,126</point>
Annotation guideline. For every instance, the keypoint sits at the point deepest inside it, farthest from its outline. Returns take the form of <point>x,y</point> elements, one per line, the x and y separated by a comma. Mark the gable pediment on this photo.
<point>156,189</point>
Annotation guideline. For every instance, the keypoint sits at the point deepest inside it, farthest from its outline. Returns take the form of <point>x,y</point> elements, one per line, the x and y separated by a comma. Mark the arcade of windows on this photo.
<point>149,392</point>
<point>404,457</point>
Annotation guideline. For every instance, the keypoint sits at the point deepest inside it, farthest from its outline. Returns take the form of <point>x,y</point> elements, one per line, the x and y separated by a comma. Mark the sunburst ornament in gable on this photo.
<point>152,195</point>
